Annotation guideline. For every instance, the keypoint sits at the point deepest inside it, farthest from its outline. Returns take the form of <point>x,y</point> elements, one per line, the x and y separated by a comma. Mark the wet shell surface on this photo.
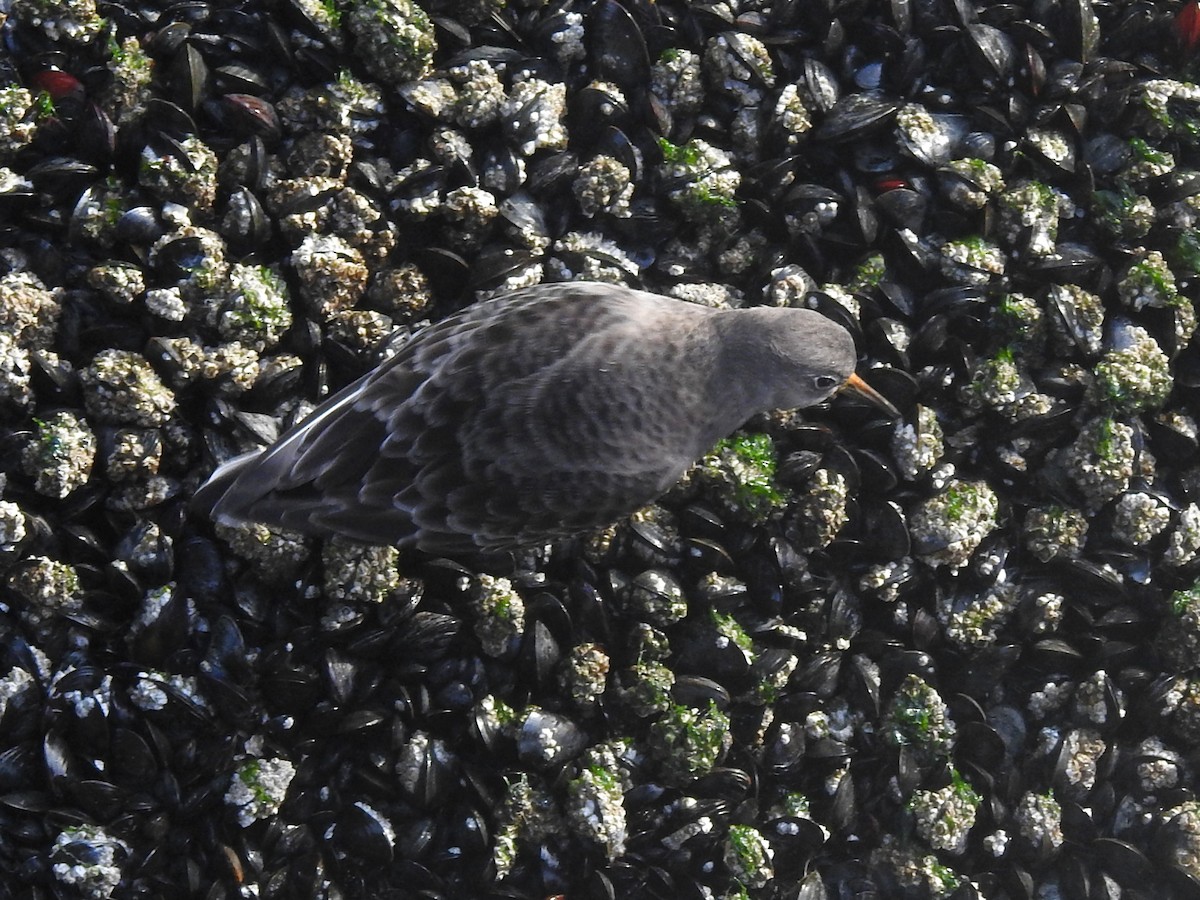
<point>951,655</point>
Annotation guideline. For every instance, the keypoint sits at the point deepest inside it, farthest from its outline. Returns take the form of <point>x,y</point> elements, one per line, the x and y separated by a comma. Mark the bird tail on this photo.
<point>209,499</point>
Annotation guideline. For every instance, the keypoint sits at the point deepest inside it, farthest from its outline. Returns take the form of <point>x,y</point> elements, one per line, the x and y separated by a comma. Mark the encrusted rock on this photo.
<point>1139,517</point>
<point>499,612</point>
<point>917,717</point>
<point>1055,531</point>
<point>332,274</point>
<point>29,312</point>
<point>944,817</point>
<point>1134,374</point>
<point>46,588</point>
<point>821,511</point>
<point>948,527</point>
<point>1100,460</point>
<point>595,810</point>
<point>1179,638</point>
<point>59,456</point>
<point>395,39</point>
<point>919,446</point>
<point>258,787</point>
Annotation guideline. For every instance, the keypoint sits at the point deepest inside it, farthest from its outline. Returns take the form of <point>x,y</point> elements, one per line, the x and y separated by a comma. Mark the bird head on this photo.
<point>795,358</point>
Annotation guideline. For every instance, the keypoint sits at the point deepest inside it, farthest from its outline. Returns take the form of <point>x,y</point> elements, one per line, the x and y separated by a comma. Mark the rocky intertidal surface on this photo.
<point>951,655</point>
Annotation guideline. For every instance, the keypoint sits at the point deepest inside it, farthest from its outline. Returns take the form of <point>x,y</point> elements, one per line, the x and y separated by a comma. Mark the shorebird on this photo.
<point>533,417</point>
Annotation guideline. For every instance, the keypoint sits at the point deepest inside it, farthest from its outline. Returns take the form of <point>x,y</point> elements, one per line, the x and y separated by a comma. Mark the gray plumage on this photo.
<point>529,418</point>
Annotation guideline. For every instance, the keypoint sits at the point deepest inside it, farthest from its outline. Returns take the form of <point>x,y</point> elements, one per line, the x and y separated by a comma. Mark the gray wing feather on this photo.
<point>473,435</point>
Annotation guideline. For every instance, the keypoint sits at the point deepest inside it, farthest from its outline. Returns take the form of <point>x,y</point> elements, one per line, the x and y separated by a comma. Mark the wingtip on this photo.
<point>210,499</point>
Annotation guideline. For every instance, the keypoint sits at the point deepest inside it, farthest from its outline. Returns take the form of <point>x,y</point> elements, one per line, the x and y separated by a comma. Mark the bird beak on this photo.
<point>860,387</point>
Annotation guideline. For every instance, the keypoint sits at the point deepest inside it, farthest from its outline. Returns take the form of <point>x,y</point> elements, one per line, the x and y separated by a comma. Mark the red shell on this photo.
<point>57,83</point>
<point>1187,24</point>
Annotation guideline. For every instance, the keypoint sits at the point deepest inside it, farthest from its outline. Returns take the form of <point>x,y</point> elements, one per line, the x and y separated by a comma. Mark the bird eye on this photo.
<point>825,382</point>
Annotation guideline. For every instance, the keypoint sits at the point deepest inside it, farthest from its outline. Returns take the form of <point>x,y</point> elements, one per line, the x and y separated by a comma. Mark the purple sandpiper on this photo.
<point>532,417</point>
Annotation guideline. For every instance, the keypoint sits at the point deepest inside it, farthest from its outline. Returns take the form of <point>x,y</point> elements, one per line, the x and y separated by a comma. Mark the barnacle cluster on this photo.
<point>953,654</point>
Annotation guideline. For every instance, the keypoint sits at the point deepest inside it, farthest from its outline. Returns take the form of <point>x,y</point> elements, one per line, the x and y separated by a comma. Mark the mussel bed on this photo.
<point>956,655</point>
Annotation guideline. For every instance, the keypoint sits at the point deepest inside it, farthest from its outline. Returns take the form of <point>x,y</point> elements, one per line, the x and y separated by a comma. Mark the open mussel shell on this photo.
<point>856,116</point>
<point>540,653</point>
<point>991,50</point>
<point>244,223</point>
<point>938,141</point>
<point>821,84</point>
<point>360,832</point>
<point>617,49</point>
<point>139,225</point>
<point>904,208</point>
<point>548,740</point>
